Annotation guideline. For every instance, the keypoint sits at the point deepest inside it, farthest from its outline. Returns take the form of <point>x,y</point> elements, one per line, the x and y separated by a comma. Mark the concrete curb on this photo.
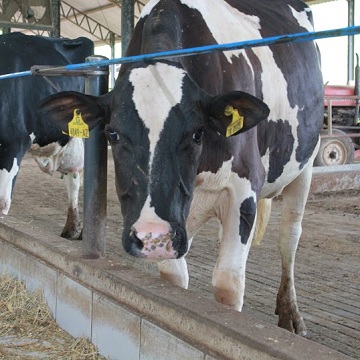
<point>335,178</point>
<point>203,327</point>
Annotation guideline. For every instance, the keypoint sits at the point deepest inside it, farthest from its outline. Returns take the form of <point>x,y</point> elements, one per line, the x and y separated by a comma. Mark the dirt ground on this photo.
<point>327,264</point>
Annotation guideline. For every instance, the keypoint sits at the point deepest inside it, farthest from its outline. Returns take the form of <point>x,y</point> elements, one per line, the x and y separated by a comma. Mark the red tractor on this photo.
<point>340,137</point>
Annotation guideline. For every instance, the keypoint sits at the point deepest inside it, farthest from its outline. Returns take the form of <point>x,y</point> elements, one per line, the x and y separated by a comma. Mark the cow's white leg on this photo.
<point>175,271</point>
<point>228,279</point>
<point>229,273</point>
<point>7,179</point>
<point>72,228</point>
<point>294,200</point>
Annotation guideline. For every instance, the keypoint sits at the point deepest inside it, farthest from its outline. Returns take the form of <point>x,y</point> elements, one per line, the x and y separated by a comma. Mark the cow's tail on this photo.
<point>262,219</point>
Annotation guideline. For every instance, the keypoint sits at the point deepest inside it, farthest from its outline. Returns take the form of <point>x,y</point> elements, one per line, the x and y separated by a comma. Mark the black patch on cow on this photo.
<point>216,150</point>
<point>247,218</point>
<point>299,98</point>
<point>272,135</point>
<point>308,92</point>
<point>308,142</point>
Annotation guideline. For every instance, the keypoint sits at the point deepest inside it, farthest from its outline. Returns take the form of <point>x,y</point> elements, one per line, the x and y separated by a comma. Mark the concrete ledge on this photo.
<point>335,178</point>
<point>132,315</point>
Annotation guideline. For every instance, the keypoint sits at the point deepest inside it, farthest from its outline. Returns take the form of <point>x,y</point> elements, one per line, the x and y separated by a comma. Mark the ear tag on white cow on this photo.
<point>77,127</point>
<point>237,121</point>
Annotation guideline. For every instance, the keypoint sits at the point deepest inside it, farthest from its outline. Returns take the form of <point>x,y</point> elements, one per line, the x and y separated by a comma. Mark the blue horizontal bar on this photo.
<point>274,40</point>
<point>281,39</point>
<point>14,75</point>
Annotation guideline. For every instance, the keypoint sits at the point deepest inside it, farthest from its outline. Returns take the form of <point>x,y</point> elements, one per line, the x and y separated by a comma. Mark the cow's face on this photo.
<point>155,130</point>
<point>155,120</point>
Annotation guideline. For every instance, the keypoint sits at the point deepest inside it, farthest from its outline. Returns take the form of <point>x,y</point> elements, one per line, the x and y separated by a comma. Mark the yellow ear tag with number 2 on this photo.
<point>77,127</point>
<point>237,121</point>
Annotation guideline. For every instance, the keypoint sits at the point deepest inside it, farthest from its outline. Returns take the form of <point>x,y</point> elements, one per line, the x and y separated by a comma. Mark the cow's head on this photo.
<point>155,119</point>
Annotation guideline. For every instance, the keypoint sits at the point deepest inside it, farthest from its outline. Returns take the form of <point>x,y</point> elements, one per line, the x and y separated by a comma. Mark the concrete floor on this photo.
<point>327,264</point>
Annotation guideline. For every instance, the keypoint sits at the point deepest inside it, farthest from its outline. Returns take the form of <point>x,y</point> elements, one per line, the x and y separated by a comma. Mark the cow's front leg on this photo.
<point>237,216</point>
<point>175,271</point>
<point>228,279</point>
<point>72,228</point>
<point>229,282</point>
<point>294,200</point>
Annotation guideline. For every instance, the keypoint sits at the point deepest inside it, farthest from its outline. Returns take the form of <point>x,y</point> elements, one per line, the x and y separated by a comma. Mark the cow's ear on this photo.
<point>61,108</point>
<point>233,113</point>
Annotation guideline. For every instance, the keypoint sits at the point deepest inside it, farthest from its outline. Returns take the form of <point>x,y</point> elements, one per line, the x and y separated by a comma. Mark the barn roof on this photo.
<point>99,19</point>
<point>95,19</point>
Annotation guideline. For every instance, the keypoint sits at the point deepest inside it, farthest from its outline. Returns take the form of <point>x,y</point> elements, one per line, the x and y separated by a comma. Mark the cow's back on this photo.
<point>42,50</point>
<point>20,96</point>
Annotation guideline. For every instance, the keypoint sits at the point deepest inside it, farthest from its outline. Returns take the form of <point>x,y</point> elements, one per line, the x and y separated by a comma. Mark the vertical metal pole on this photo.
<point>95,171</point>
<point>112,71</point>
<point>55,15</point>
<point>351,51</point>
<point>127,23</point>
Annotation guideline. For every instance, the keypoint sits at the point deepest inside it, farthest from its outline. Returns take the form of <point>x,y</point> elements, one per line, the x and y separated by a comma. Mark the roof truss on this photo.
<point>86,22</point>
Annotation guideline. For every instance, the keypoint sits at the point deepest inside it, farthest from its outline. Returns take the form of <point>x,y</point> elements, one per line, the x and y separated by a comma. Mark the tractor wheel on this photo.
<point>335,151</point>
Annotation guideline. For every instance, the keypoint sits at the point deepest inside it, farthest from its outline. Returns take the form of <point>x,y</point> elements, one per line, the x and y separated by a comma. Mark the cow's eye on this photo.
<point>112,136</point>
<point>197,136</point>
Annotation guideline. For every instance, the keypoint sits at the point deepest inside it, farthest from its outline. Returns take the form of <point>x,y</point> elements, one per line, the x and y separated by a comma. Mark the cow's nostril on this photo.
<point>139,244</point>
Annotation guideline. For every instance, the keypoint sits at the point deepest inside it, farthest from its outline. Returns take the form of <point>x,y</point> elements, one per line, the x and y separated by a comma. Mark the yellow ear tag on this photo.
<point>237,121</point>
<point>77,127</point>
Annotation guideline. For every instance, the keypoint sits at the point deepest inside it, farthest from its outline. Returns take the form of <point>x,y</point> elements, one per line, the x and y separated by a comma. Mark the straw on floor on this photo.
<point>28,331</point>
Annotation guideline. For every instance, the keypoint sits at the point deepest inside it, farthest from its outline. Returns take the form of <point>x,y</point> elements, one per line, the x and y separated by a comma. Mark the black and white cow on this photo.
<point>215,135</point>
<point>21,128</point>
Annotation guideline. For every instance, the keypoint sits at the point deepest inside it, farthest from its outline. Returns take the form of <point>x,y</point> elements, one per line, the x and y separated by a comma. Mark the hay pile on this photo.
<point>28,331</point>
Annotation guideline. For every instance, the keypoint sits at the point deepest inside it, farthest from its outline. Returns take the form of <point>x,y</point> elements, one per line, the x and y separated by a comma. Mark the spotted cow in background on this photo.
<point>215,135</point>
<point>21,128</point>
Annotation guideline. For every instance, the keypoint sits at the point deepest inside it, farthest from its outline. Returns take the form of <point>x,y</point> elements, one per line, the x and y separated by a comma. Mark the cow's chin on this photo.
<point>160,247</point>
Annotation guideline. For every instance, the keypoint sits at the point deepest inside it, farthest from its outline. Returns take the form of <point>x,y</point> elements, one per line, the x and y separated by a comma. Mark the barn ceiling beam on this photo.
<point>139,5</point>
<point>114,2</point>
<point>85,22</point>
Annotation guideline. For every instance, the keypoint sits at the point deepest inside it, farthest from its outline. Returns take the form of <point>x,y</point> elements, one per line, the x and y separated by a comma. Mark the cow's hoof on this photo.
<point>294,323</point>
<point>72,234</point>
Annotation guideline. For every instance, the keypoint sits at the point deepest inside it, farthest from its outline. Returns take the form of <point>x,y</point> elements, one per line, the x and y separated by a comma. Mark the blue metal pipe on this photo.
<point>15,75</point>
<point>281,39</point>
<point>274,40</point>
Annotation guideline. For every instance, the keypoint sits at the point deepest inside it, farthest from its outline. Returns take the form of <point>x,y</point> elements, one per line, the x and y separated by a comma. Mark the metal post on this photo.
<point>95,171</point>
<point>127,23</point>
<point>351,51</point>
<point>55,15</point>
<point>112,71</point>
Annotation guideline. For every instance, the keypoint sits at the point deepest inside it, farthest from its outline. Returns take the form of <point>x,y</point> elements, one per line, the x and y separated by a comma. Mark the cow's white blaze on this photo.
<point>6,182</point>
<point>157,89</point>
<point>150,223</point>
<point>154,233</point>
